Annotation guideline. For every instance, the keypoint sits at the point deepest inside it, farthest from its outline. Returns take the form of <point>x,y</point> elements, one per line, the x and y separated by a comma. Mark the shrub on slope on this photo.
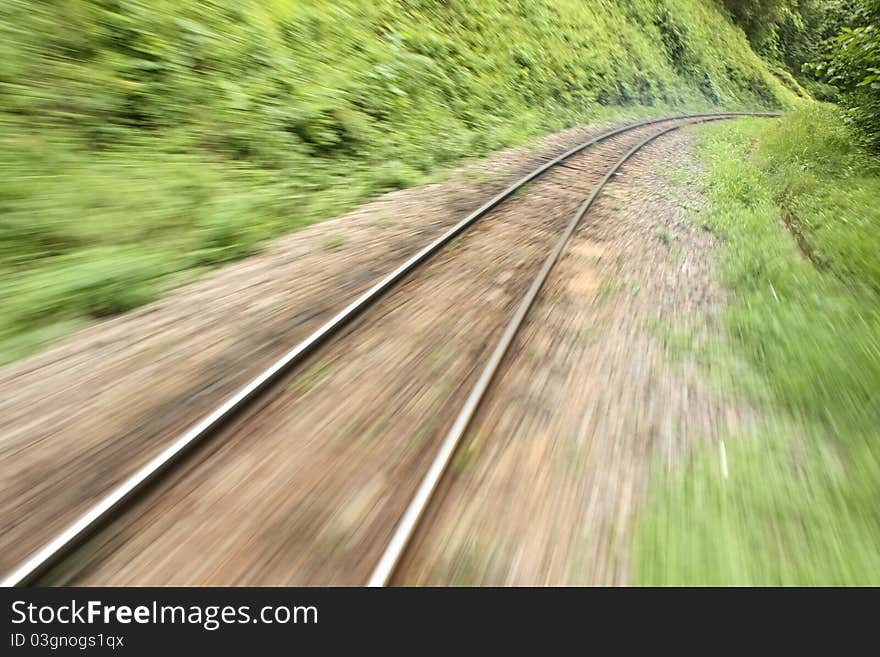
<point>144,138</point>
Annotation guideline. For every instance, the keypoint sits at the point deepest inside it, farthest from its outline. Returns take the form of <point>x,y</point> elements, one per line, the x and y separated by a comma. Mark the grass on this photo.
<point>664,235</point>
<point>333,242</point>
<point>480,176</point>
<point>606,290</point>
<point>143,141</point>
<point>803,334</point>
<point>466,452</point>
<point>677,340</point>
<point>521,192</point>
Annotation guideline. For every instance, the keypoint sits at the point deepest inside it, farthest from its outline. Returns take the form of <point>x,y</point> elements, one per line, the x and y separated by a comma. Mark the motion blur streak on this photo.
<point>190,188</point>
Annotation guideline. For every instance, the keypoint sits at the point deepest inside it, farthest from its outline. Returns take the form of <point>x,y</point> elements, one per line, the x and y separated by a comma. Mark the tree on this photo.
<point>759,19</point>
<point>805,25</point>
<point>851,62</point>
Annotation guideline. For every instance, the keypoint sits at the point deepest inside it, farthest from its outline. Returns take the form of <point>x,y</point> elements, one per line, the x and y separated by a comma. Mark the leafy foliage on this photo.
<point>851,63</point>
<point>805,25</point>
<point>790,32</point>
<point>165,136</point>
<point>760,19</point>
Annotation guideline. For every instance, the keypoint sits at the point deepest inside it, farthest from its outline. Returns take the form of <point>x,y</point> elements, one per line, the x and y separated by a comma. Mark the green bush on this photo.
<point>852,64</point>
<point>193,130</point>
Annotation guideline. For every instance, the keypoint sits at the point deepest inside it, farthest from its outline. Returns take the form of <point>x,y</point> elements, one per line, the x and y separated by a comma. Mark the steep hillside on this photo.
<point>143,141</point>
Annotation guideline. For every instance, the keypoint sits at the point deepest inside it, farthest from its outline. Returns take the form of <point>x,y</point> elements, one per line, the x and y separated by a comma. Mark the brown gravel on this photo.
<point>77,419</point>
<point>305,488</point>
<point>547,484</point>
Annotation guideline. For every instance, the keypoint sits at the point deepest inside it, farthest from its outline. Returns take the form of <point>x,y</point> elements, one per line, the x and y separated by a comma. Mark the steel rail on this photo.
<point>405,530</point>
<point>54,550</point>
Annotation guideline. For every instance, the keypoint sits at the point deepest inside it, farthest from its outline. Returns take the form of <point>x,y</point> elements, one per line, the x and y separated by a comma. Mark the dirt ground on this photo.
<point>546,488</point>
<point>78,418</point>
<point>306,486</point>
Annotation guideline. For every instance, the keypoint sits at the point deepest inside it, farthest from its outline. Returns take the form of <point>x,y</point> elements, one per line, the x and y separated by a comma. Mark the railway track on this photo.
<point>600,157</point>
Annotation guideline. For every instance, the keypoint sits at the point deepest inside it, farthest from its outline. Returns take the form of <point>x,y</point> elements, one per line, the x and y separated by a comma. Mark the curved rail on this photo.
<point>409,521</point>
<point>54,550</point>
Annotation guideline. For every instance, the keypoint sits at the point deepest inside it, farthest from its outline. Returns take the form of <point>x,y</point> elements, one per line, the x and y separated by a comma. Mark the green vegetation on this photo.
<point>789,30</point>
<point>800,504</point>
<point>851,63</point>
<point>791,34</point>
<point>333,242</point>
<point>761,19</point>
<point>801,31</point>
<point>664,235</point>
<point>142,142</point>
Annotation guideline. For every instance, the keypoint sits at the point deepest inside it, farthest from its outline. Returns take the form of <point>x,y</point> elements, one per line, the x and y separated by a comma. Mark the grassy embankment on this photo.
<point>142,142</point>
<point>803,334</point>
